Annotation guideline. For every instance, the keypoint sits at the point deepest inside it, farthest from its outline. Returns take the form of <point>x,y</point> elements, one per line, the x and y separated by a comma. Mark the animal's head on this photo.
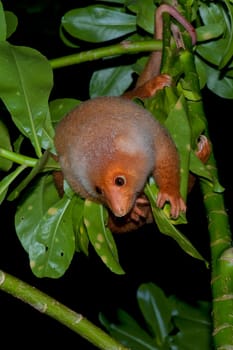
<point>119,183</point>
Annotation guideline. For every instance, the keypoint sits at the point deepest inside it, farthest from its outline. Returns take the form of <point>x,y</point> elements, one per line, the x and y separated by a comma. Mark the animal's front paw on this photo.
<point>177,203</point>
<point>157,83</point>
<point>141,210</point>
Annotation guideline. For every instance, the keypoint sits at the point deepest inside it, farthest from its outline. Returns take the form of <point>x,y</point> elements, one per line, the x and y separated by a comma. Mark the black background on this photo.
<point>88,287</point>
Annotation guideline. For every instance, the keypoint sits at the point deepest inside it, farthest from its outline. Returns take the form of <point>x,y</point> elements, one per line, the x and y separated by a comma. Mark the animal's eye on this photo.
<point>120,181</point>
<point>98,190</point>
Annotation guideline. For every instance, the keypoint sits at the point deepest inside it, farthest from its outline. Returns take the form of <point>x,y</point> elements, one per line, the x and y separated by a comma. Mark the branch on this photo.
<point>17,157</point>
<point>51,307</point>
<point>126,47</point>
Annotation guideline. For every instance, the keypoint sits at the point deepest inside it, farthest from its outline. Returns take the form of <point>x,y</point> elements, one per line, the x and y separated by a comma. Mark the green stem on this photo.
<point>218,221</point>
<point>126,47</point>
<point>17,158</point>
<point>38,167</point>
<point>49,306</point>
<point>219,230</point>
<point>7,181</point>
<point>222,264</point>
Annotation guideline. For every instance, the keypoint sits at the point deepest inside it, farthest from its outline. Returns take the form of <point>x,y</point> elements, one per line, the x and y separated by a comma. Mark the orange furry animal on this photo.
<point>109,146</point>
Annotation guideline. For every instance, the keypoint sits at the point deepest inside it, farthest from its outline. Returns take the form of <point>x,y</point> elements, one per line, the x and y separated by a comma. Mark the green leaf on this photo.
<point>7,180</point>
<point>192,336</point>
<point>129,332</point>
<point>66,40</point>
<point>25,92</point>
<point>98,23</point>
<point>38,166</point>
<point>218,83</point>
<point>139,65</point>
<point>190,82</point>
<point>53,246</point>
<point>228,53</point>
<point>212,13</point>
<point>156,310</point>
<point>44,226</point>
<point>185,323</point>
<point>177,124</point>
<point>199,312</point>
<point>5,142</point>
<point>81,236</point>
<point>161,103</point>
<point>165,224</point>
<point>18,143</point>
<point>82,239</point>
<point>196,120</point>
<point>172,113</point>
<point>60,107</point>
<point>114,1</point>
<point>95,217</point>
<point>12,23</point>
<point>209,32</point>
<point>218,52</point>
<point>28,215</point>
<point>110,81</point>
<point>145,13</point>
<point>198,168</point>
<point>2,23</point>
<point>193,323</point>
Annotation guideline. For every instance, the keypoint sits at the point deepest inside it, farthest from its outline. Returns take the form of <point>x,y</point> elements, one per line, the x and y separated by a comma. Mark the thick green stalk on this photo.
<point>219,231</point>
<point>221,266</point>
<point>126,47</point>
<point>49,306</point>
<point>218,221</point>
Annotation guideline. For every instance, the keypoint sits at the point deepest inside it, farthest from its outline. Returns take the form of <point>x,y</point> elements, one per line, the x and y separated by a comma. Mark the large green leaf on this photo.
<point>25,92</point>
<point>53,245</point>
<point>165,224</point>
<point>218,83</point>
<point>192,335</point>
<point>212,51</point>
<point>98,23</point>
<point>44,226</point>
<point>198,168</point>
<point>110,81</point>
<point>60,107</point>
<point>218,52</point>
<point>199,312</point>
<point>181,325</point>
<point>114,1</point>
<point>12,23</point>
<point>209,31</point>
<point>129,332</point>
<point>156,310</point>
<point>95,217</point>
<point>145,11</point>
<point>196,120</point>
<point>2,23</point>
<point>171,112</point>
<point>178,125</point>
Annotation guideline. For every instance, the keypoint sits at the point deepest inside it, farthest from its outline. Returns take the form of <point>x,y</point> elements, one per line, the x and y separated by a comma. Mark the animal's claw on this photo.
<point>177,203</point>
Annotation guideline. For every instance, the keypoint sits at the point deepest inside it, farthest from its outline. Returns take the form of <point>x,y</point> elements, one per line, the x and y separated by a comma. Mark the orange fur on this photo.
<point>108,147</point>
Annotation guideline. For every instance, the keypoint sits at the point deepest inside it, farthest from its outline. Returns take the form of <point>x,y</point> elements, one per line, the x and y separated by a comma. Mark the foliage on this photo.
<point>52,229</point>
<point>168,323</point>
<point>27,96</point>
